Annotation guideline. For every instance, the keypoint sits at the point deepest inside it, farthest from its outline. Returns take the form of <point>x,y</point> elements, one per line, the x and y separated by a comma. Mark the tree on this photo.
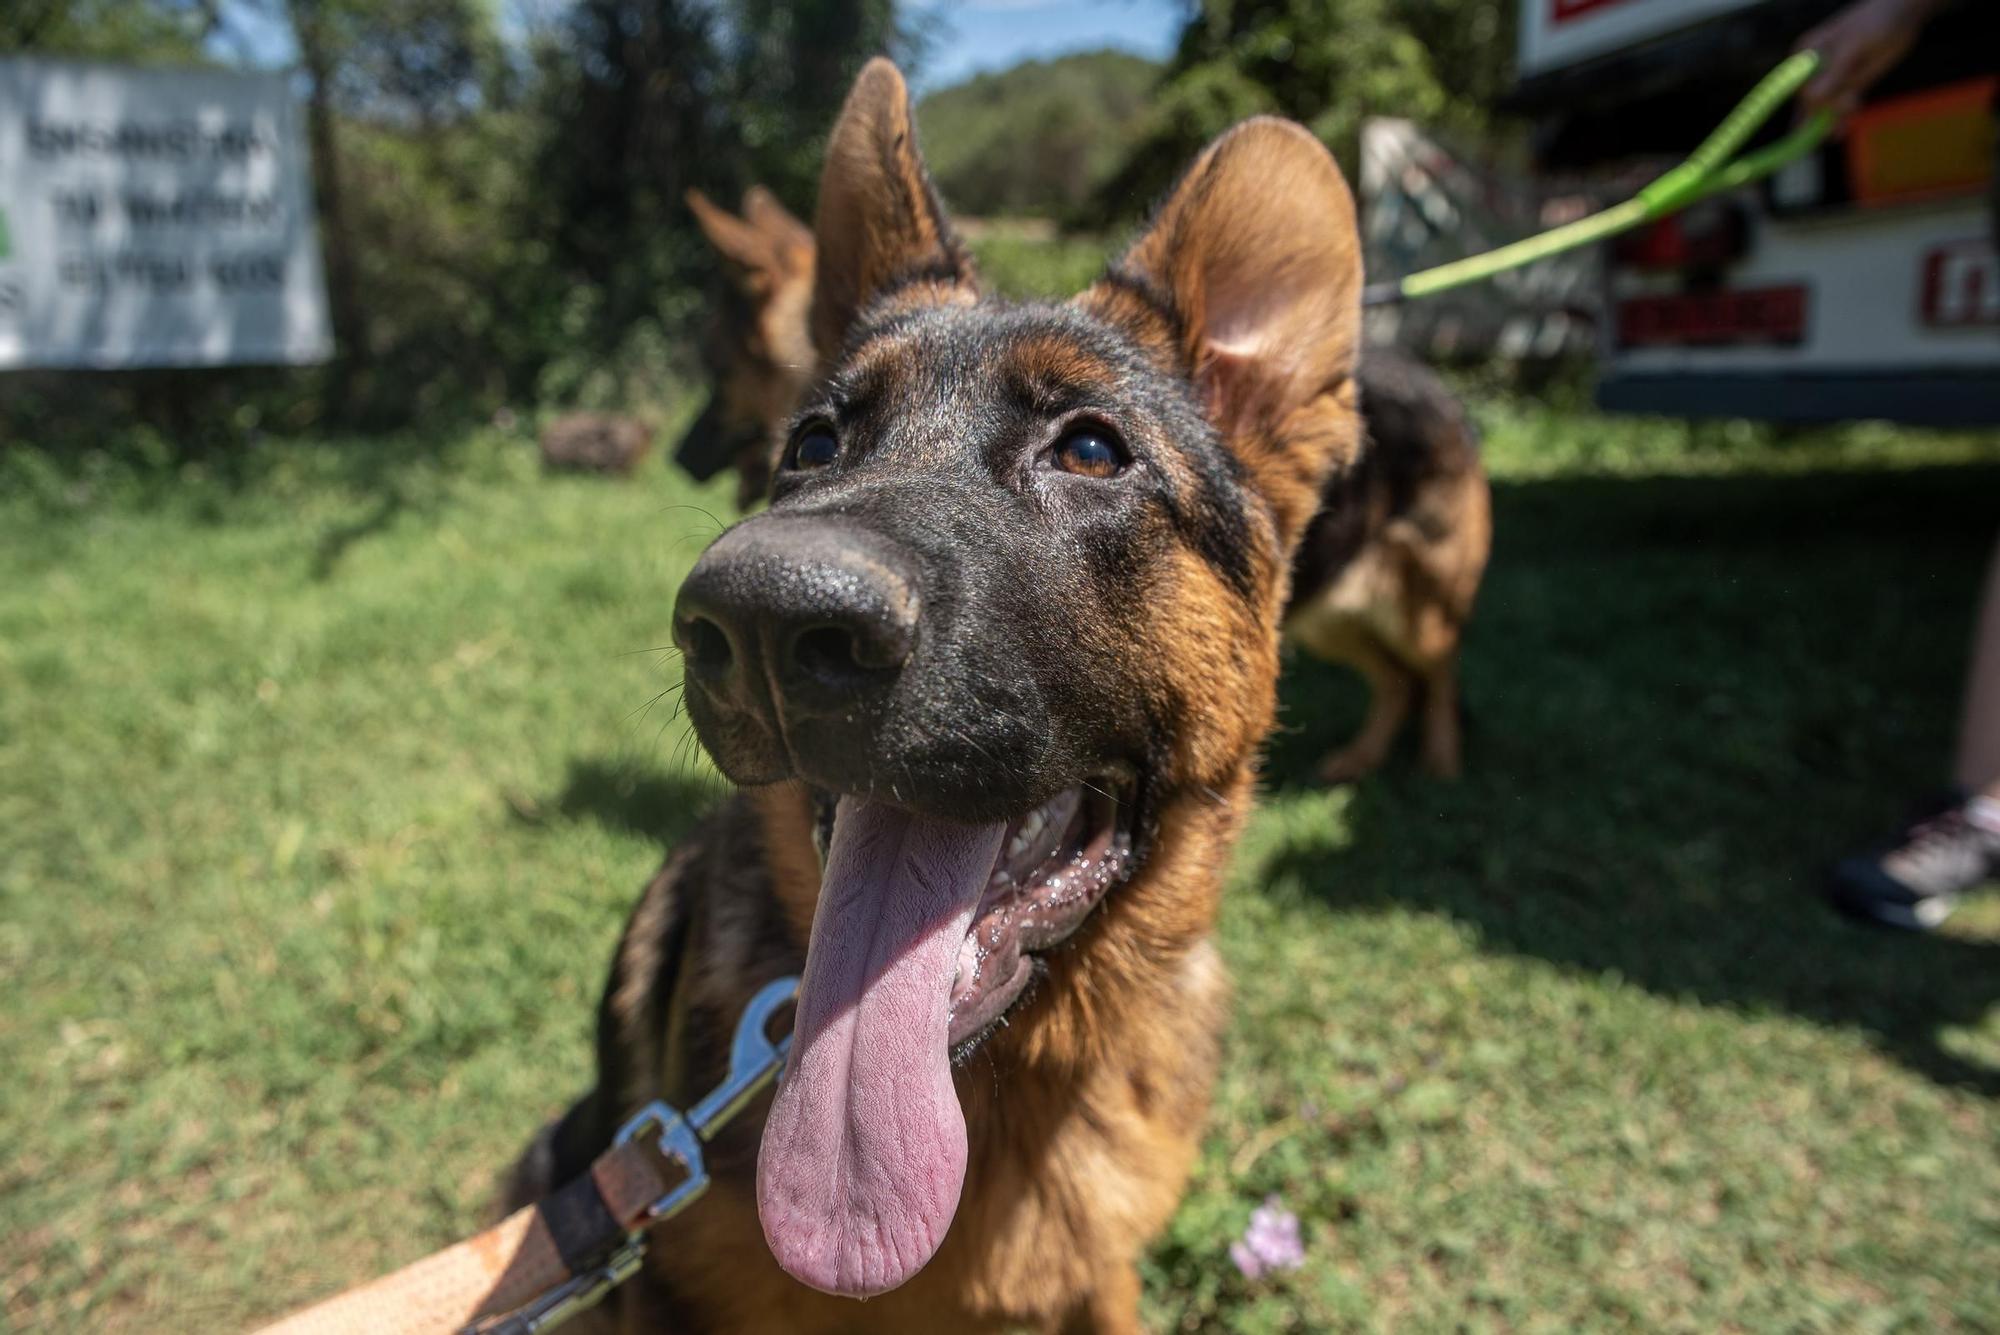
<point>1040,138</point>
<point>137,31</point>
<point>645,98</point>
<point>1327,63</point>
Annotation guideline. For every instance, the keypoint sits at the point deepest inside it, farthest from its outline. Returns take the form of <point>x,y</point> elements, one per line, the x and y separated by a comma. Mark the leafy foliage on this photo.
<point>137,31</point>
<point>409,62</point>
<point>1039,139</point>
<point>1327,63</point>
<point>718,95</point>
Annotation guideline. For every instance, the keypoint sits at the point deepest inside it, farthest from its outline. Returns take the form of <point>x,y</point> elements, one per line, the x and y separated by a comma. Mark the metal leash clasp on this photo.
<point>755,1060</point>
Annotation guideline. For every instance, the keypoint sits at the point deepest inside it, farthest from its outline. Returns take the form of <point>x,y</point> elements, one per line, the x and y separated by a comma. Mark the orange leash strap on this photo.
<point>551,1260</point>
<point>582,1230</point>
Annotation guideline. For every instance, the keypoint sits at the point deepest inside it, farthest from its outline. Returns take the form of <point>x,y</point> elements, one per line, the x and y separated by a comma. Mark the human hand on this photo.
<point>1859,45</point>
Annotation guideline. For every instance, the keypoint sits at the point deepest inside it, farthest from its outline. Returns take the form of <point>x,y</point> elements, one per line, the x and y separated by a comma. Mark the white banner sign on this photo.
<point>153,217</point>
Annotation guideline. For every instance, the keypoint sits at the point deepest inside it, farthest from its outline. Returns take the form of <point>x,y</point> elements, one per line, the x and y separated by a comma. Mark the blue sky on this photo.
<point>978,35</point>
<point>968,36</point>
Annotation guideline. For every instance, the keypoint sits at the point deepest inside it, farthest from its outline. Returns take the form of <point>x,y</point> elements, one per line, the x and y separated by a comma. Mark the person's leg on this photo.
<point>1979,726</point>
<point>1917,878</point>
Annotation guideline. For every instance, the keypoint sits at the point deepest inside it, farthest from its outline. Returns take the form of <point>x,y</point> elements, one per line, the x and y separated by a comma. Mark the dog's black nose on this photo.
<point>801,614</point>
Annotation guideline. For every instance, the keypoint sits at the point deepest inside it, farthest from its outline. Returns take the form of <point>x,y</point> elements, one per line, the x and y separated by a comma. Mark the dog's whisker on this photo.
<point>639,715</point>
<point>672,715</point>
<point>700,510</point>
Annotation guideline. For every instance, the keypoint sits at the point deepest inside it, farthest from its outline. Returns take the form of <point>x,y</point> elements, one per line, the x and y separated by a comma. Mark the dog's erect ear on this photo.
<point>879,223</point>
<point>738,240</point>
<point>762,211</point>
<point>1257,256</point>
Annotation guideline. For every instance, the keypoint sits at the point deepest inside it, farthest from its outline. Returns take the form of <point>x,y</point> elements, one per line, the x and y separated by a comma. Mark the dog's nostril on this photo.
<point>705,645</point>
<point>827,652</point>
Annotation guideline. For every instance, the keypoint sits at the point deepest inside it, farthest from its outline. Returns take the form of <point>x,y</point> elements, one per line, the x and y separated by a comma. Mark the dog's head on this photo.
<point>1015,599</point>
<point>756,350</point>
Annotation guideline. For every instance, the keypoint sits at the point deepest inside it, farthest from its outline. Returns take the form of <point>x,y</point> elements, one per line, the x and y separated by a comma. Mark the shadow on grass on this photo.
<point>399,477</point>
<point>1688,697</point>
<point>633,798</point>
<point>335,541</point>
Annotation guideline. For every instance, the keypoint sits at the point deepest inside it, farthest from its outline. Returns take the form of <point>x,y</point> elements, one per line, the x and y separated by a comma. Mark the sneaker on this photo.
<point>1916,882</point>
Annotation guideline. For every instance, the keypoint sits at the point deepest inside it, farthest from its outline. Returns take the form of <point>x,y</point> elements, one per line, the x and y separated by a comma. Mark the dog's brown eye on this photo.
<point>1091,451</point>
<point>815,447</point>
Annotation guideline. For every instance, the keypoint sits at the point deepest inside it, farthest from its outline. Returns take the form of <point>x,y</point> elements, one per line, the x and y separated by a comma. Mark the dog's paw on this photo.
<point>1348,765</point>
<point>1443,760</point>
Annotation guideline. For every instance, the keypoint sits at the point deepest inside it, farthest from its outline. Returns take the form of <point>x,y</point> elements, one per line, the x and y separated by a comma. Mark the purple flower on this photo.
<point>1270,1243</point>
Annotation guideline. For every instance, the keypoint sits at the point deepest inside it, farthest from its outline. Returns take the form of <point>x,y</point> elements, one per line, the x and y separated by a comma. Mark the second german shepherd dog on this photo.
<point>992,673</point>
<point>757,348</point>
<point>1386,576</point>
<point>1387,573</point>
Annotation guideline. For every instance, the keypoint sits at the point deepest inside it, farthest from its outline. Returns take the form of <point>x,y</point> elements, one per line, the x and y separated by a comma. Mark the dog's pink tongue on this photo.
<point>864,1151</point>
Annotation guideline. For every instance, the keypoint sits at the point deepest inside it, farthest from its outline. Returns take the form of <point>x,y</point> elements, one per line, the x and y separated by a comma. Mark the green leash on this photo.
<point>1709,170</point>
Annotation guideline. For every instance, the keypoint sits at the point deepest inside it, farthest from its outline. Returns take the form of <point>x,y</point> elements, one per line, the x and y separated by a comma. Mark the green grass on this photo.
<point>325,784</point>
<point>1020,262</point>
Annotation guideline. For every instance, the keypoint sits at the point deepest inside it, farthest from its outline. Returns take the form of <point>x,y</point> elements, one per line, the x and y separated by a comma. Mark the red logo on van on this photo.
<point>1961,285</point>
<point>1561,11</point>
<point>1710,319</point>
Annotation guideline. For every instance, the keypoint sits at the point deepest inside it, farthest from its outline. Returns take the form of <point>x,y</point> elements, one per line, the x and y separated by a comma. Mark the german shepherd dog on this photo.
<point>992,673</point>
<point>757,348</point>
<point>1385,578</point>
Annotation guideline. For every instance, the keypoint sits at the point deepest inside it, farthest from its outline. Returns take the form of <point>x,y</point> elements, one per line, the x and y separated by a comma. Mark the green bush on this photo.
<point>1039,139</point>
